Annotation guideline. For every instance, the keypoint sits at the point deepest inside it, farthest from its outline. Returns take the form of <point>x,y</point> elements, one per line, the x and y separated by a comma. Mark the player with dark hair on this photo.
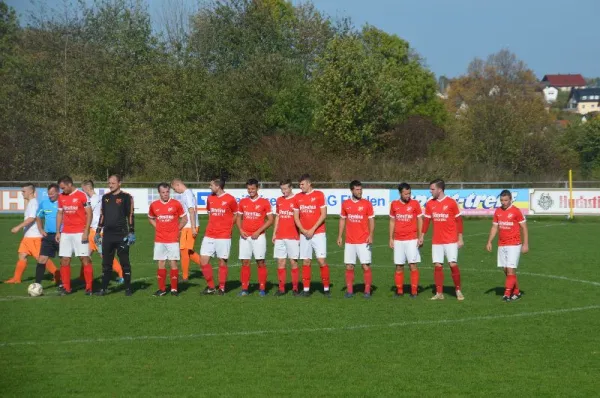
<point>510,225</point>
<point>286,238</point>
<point>406,226</point>
<point>310,214</point>
<point>222,213</point>
<point>75,217</point>
<point>168,218</point>
<point>445,215</point>
<point>251,223</point>
<point>115,232</point>
<point>357,218</point>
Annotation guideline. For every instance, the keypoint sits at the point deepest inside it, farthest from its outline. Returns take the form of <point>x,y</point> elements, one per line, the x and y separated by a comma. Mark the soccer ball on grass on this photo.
<point>35,290</point>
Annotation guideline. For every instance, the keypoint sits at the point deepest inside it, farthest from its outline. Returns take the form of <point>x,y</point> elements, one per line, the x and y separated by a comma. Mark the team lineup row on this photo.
<point>84,222</point>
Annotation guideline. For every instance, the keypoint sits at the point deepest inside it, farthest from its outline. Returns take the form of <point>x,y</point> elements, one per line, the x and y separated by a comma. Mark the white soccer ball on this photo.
<point>35,290</point>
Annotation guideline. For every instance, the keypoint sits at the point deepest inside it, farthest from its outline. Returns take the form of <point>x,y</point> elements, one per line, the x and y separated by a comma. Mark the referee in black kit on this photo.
<point>116,224</point>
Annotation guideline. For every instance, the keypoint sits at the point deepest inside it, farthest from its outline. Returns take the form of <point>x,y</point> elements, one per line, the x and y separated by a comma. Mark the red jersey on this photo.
<point>309,205</point>
<point>509,228</point>
<point>73,208</point>
<point>406,215</point>
<point>253,213</point>
<point>221,210</point>
<point>443,215</point>
<point>357,214</point>
<point>286,226</point>
<point>167,215</point>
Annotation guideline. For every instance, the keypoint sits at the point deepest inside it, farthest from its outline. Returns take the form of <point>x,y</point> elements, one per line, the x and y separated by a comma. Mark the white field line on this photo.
<point>300,330</point>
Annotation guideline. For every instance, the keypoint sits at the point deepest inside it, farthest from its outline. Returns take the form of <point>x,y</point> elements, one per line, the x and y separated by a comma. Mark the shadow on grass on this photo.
<point>406,288</point>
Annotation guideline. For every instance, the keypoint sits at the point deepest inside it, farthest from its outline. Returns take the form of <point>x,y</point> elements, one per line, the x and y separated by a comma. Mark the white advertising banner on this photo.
<point>556,201</point>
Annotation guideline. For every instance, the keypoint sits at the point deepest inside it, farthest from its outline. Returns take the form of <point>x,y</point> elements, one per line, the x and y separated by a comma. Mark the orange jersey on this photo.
<point>167,215</point>
<point>509,225</point>
<point>253,213</point>
<point>221,210</point>
<point>357,214</point>
<point>286,226</point>
<point>309,206</point>
<point>405,215</point>
<point>443,214</point>
<point>73,208</point>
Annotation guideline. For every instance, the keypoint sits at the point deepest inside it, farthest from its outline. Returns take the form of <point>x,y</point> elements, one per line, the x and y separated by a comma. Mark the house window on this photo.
<point>582,106</point>
<point>584,98</point>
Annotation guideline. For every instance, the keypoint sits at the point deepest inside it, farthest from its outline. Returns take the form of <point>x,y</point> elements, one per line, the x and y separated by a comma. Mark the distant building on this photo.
<point>550,94</point>
<point>564,82</point>
<point>584,101</point>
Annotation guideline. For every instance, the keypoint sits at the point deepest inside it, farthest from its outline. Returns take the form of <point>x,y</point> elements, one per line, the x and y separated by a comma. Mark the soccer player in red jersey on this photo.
<point>252,212</point>
<point>508,223</point>
<point>357,218</point>
<point>74,217</point>
<point>168,218</point>
<point>406,227</point>
<point>310,214</point>
<point>445,215</point>
<point>222,213</point>
<point>286,237</point>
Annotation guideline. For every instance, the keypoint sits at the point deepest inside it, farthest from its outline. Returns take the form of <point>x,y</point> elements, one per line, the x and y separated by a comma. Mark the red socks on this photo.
<point>306,277</point>
<point>88,274</point>
<point>368,280</point>
<point>222,276</point>
<point>295,278</point>
<point>516,288</point>
<point>207,272</point>
<point>399,280</point>
<point>455,276</point>
<point>262,277</point>
<point>281,277</point>
<point>65,277</point>
<point>174,279</point>
<point>161,275</point>
<point>245,276</point>
<point>325,276</point>
<point>509,284</point>
<point>350,281</point>
<point>414,282</point>
<point>438,278</point>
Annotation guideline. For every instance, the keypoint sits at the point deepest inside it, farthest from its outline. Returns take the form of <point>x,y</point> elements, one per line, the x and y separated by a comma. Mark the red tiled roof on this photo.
<point>565,80</point>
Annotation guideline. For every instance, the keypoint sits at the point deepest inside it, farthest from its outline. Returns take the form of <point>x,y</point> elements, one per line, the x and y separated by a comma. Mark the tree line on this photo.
<point>262,88</point>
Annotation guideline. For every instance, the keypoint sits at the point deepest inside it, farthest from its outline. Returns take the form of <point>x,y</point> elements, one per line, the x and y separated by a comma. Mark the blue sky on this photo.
<point>551,36</point>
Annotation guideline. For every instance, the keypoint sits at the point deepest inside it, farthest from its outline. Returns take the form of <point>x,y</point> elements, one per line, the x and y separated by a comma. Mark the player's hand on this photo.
<point>420,241</point>
<point>57,237</point>
<point>14,230</point>
<point>369,240</point>
<point>273,239</point>
<point>131,238</point>
<point>461,242</point>
<point>525,248</point>
<point>243,234</point>
<point>194,232</point>
<point>339,242</point>
<point>488,247</point>
<point>98,240</point>
<point>391,244</point>
<point>309,234</point>
<point>255,235</point>
<point>44,233</point>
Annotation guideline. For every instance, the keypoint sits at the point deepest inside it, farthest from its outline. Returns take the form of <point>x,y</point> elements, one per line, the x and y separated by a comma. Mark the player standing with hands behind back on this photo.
<point>509,222</point>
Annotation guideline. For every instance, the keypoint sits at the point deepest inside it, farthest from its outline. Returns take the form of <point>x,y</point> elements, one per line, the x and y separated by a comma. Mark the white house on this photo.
<point>550,94</point>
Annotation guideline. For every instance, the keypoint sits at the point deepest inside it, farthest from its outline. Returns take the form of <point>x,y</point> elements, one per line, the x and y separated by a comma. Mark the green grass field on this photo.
<point>546,344</point>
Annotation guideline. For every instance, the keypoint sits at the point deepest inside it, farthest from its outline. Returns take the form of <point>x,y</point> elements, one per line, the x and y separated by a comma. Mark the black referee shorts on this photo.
<point>49,246</point>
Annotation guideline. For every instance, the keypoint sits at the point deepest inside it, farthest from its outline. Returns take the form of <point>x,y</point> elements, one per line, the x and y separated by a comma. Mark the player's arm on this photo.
<point>192,212</point>
<point>40,224</point>
<point>276,224</point>
<point>152,217</point>
<point>420,229</point>
<point>88,222</point>
<point>426,221</point>
<point>28,221</point>
<point>59,219</point>
<point>459,229</point>
<point>493,232</point>
<point>320,221</point>
<point>101,219</point>
<point>525,234</point>
<point>341,228</point>
<point>371,229</point>
<point>264,227</point>
<point>238,221</point>
<point>182,221</point>
<point>392,230</point>
<point>131,215</point>
<point>298,223</point>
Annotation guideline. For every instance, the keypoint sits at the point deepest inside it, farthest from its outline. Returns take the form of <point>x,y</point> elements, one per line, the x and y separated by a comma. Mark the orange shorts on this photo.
<point>187,240</point>
<point>92,244</point>
<point>30,246</point>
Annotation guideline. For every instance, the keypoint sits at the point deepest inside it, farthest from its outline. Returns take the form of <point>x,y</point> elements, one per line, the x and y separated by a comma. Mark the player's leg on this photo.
<point>160,256</point>
<point>207,250</point>
<point>66,249</point>
<point>513,256</point>
<point>293,253</point>
<point>83,252</point>
<point>280,255</point>
<point>21,264</point>
<point>319,245</point>
<point>123,254</point>
<point>306,256</point>
<point>48,249</point>
<point>451,253</point>
<point>195,257</point>
<point>109,247</point>
<point>399,260</point>
<point>245,254</point>
<point>413,257</point>
<point>222,248</point>
<point>186,233</point>
<point>437,255</point>
<point>259,251</point>
<point>349,260</point>
<point>174,254</point>
<point>364,256</point>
